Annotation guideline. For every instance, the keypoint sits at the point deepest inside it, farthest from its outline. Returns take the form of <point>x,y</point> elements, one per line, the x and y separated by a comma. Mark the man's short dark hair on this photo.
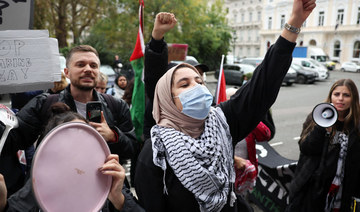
<point>80,48</point>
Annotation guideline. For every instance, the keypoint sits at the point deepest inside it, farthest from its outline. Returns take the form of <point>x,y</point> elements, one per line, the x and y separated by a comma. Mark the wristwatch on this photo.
<point>292,28</point>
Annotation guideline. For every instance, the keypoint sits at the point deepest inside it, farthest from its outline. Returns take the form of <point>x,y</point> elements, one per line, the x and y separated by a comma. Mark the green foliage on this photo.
<point>111,26</point>
<point>248,75</point>
<point>100,43</point>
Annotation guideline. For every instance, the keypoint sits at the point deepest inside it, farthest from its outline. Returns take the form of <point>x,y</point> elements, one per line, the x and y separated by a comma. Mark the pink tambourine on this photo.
<point>65,171</point>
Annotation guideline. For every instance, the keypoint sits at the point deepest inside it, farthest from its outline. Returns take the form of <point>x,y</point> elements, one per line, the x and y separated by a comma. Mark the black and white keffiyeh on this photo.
<point>203,165</point>
<point>333,199</point>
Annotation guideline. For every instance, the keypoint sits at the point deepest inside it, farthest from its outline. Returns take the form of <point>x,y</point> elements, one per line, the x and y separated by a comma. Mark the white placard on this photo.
<point>28,63</point>
<point>15,14</point>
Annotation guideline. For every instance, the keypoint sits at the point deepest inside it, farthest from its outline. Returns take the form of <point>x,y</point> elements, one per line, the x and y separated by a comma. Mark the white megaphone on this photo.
<point>325,114</point>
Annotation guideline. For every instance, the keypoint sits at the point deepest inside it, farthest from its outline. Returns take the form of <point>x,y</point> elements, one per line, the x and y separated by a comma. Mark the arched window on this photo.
<point>268,45</point>
<point>312,43</point>
<point>356,53</point>
<point>337,49</point>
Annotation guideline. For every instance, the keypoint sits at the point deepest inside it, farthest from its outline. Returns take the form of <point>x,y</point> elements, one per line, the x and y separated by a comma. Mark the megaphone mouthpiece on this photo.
<point>325,115</point>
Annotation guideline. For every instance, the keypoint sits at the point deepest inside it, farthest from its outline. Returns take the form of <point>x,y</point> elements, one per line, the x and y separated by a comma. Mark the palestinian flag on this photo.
<point>137,62</point>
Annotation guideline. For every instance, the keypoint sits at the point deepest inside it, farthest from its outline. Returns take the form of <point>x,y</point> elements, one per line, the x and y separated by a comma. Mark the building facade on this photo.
<point>334,26</point>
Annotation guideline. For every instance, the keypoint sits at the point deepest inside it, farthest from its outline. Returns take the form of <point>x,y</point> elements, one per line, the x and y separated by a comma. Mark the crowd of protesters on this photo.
<point>187,159</point>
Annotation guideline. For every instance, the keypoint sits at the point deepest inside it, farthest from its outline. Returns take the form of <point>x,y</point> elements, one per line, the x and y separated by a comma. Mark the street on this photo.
<point>292,106</point>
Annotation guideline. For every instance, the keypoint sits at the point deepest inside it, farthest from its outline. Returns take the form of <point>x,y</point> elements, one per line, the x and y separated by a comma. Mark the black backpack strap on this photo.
<point>51,99</point>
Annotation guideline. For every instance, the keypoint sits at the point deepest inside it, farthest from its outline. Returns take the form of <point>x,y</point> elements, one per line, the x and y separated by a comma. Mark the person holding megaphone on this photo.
<point>327,177</point>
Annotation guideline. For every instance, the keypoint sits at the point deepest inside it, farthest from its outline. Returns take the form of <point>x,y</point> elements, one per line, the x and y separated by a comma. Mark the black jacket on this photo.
<point>243,112</point>
<point>32,120</point>
<point>310,156</point>
<point>24,201</point>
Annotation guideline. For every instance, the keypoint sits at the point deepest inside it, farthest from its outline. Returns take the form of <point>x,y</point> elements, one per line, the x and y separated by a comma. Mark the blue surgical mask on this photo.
<point>196,102</point>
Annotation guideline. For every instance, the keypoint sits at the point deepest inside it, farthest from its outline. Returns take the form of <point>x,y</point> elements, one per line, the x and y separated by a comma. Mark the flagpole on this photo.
<point>219,79</point>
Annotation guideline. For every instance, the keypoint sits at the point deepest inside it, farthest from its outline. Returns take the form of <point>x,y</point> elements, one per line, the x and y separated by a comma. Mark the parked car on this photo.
<point>321,67</point>
<point>289,79</point>
<point>234,75</point>
<point>303,75</point>
<point>350,66</point>
<point>308,64</point>
<point>255,61</point>
<point>109,71</point>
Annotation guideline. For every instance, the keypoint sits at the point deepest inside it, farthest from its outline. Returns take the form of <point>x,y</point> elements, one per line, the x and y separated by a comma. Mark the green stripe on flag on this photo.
<point>138,98</point>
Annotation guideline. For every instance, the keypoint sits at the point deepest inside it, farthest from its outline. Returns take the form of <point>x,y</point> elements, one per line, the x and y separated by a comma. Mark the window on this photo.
<point>259,15</point>
<point>321,18</point>
<point>235,18</point>
<point>242,17</point>
<point>337,49</point>
<point>248,51</point>
<point>269,22</point>
<point>358,16</point>
<point>356,53</point>
<point>282,21</point>
<point>250,16</point>
<point>340,17</point>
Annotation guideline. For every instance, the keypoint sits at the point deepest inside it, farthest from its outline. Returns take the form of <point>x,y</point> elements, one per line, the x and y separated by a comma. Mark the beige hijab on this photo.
<point>166,113</point>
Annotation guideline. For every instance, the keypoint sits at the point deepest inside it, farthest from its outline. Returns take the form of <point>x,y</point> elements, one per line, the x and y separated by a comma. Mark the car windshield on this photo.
<point>106,69</point>
<point>305,64</point>
<point>230,67</point>
<point>321,58</point>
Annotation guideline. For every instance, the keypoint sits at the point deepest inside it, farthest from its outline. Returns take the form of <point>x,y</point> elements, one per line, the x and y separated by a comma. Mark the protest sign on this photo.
<point>177,52</point>
<point>16,14</point>
<point>29,60</point>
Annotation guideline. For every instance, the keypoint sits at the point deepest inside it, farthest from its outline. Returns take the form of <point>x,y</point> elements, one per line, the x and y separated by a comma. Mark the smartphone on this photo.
<point>93,111</point>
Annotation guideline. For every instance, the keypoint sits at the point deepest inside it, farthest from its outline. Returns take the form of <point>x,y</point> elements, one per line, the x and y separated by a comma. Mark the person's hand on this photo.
<point>163,23</point>
<point>117,172</point>
<point>3,193</point>
<point>301,11</point>
<point>104,129</point>
<point>239,162</point>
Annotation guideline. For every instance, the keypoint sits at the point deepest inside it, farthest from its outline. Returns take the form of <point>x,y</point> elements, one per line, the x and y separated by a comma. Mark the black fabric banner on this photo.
<point>271,192</point>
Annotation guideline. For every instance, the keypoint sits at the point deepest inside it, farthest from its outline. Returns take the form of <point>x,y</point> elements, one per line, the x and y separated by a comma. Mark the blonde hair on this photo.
<point>103,77</point>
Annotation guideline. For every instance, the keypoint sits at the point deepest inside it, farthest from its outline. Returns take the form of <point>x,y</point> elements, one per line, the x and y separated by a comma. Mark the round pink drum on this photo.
<point>65,170</point>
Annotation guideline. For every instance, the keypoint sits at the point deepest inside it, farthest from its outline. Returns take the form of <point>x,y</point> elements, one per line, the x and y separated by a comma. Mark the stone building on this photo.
<point>334,26</point>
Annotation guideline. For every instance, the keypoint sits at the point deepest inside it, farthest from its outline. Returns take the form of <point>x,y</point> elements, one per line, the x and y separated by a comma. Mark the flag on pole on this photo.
<point>137,110</point>
<point>221,85</point>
